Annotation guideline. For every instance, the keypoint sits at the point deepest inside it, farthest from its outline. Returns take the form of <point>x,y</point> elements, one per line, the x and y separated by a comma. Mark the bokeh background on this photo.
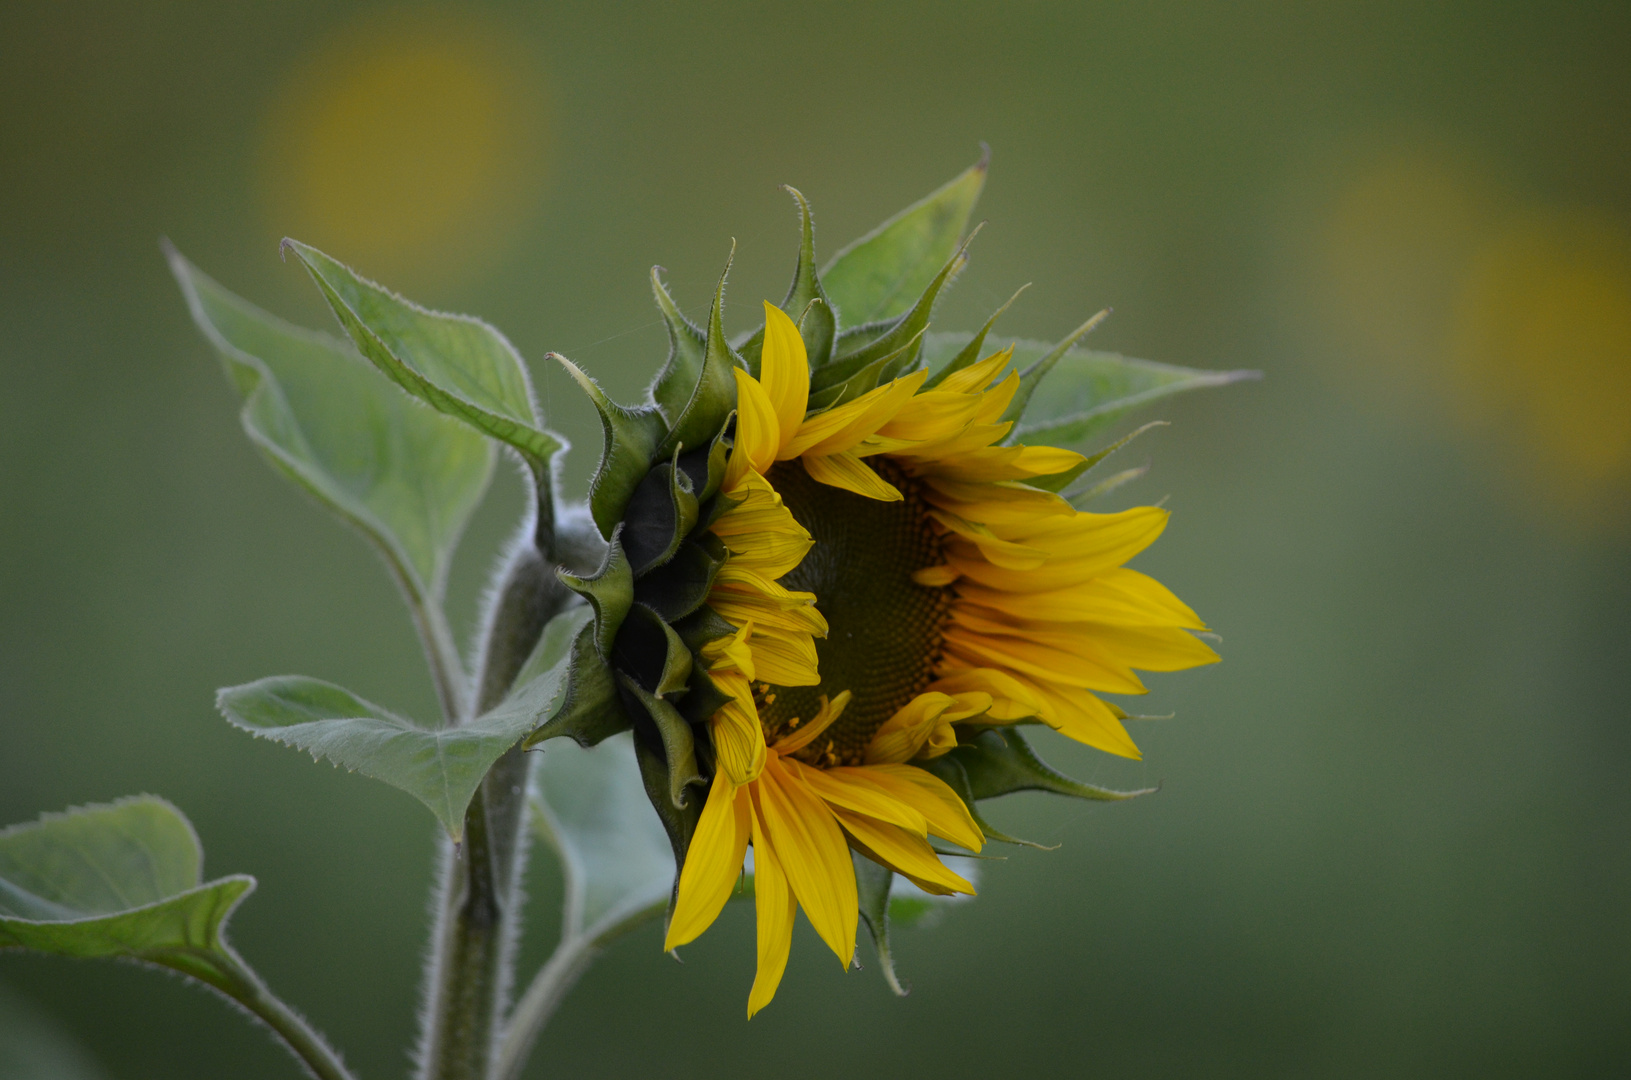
<point>1393,830</point>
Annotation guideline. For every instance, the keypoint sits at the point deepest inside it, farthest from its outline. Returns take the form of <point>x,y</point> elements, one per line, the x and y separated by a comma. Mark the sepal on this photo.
<point>1033,375</point>
<point>1080,496</point>
<point>872,885</point>
<point>657,517</point>
<point>999,761</point>
<point>806,302</point>
<point>993,761</point>
<point>590,710</point>
<point>679,821</point>
<point>631,438</point>
<point>681,585</point>
<point>714,394</point>
<point>869,378</point>
<point>687,352</point>
<point>610,592</point>
<point>651,652</point>
<point>1058,481</point>
<point>865,345</point>
<point>969,355</point>
<point>678,744</point>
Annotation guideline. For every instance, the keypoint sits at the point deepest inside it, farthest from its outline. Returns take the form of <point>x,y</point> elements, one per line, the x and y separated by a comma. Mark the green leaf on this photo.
<point>407,477</point>
<point>456,363</point>
<point>440,768</point>
<point>880,275</point>
<point>122,879</point>
<point>590,806</point>
<point>631,438</point>
<point>1088,391</point>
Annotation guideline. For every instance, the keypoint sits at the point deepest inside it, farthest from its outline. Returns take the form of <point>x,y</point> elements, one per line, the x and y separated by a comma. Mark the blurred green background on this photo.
<point>1394,826</point>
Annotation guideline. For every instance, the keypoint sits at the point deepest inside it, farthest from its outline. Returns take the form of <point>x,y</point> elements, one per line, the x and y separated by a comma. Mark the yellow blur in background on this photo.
<point>414,145</point>
<point>1456,299</point>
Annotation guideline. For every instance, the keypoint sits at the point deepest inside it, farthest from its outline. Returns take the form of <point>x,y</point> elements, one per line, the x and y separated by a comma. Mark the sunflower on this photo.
<point>959,594</point>
<point>833,585</point>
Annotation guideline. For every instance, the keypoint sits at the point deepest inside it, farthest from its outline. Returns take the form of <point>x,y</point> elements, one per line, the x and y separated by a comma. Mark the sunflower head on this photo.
<point>834,582</point>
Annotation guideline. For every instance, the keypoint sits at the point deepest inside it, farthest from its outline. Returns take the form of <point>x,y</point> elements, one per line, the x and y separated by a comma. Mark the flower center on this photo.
<point>884,629</point>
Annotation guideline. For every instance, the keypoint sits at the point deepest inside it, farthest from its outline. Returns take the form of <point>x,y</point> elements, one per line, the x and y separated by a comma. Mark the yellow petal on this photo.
<point>1000,552</point>
<point>733,652</point>
<point>922,727</point>
<point>785,658</point>
<point>1011,698</point>
<point>994,402</point>
<point>1083,717</point>
<point>1040,661</point>
<point>935,577</point>
<point>784,371</point>
<point>840,429</point>
<point>903,853</point>
<point>1153,648</point>
<point>976,377</point>
<point>850,473</point>
<point>802,734</point>
<point>933,414</point>
<point>758,432</point>
<point>743,595</point>
<point>776,905</point>
<point>712,864</point>
<point>1102,600</point>
<point>1077,551</point>
<point>812,853</point>
<point>738,738</point>
<point>839,790</point>
<point>924,792</point>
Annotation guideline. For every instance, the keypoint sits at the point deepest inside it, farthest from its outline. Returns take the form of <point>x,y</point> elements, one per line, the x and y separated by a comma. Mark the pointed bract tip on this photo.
<point>984,163</point>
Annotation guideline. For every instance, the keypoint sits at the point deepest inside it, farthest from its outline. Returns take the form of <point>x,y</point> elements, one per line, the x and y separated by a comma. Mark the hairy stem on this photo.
<point>227,972</point>
<point>471,962</point>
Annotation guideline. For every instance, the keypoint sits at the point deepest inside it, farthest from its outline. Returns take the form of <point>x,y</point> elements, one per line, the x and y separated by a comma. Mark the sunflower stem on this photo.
<point>478,901</point>
<point>230,975</point>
